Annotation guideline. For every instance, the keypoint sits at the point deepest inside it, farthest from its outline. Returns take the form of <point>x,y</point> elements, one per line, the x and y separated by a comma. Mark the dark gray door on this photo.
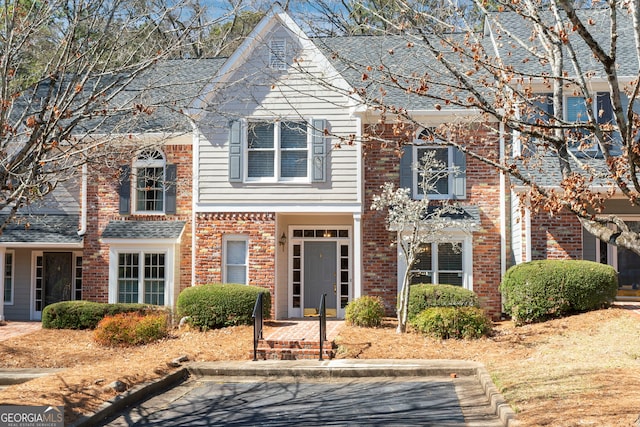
<point>58,276</point>
<point>319,273</point>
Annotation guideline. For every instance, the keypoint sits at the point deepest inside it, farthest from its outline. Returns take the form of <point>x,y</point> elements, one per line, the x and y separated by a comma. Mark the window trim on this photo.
<point>226,238</point>
<point>277,151</point>
<point>466,241</point>
<point>415,173</point>
<point>139,164</point>
<point>169,269</point>
<point>13,278</point>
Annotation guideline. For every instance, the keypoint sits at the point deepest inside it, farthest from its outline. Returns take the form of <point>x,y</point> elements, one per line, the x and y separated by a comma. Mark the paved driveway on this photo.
<point>432,401</point>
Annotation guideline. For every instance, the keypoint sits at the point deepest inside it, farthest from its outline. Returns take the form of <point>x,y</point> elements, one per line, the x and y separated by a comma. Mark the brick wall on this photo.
<point>557,236</point>
<point>260,229</point>
<point>103,200</point>
<point>379,264</point>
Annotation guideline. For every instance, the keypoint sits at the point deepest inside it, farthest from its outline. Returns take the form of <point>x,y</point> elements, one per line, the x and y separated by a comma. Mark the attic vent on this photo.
<point>277,57</point>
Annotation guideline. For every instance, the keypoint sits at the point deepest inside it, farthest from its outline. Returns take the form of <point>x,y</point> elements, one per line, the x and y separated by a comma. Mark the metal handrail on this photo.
<point>322,311</point>
<point>258,324</point>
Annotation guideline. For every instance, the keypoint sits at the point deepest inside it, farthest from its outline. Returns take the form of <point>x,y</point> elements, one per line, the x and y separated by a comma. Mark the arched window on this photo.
<point>150,181</point>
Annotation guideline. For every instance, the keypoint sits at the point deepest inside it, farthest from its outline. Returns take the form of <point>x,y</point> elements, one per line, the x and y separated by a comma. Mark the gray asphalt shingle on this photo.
<point>143,230</point>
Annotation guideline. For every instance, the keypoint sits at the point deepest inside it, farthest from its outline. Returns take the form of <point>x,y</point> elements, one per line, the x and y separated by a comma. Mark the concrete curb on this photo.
<point>131,397</point>
<point>12,376</point>
<point>334,368</point>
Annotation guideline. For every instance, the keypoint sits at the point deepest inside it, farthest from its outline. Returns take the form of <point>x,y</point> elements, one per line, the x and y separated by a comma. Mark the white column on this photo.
<point>357,255</point>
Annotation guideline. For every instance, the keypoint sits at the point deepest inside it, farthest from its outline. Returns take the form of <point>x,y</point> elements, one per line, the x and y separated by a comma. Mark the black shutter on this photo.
<point>170,189</point>
<point>124,190</point>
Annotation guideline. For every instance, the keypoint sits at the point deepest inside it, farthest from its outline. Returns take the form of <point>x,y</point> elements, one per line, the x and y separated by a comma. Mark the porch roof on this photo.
<point>42,229</point>
<point>143,230</point>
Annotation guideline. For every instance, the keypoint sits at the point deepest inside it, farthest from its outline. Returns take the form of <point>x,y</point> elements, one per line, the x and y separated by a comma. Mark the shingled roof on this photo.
<point>42,229</point>
<point>143,230</point>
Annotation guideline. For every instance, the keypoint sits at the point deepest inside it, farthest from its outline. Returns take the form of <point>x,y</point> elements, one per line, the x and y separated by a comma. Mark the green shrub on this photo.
<point>127,329</point>
<point>539,290</point>
<point>453,322</point>
<point>366,311</point>
<point>220,305</point>
<point>424,296</point>
<point>85,314</point>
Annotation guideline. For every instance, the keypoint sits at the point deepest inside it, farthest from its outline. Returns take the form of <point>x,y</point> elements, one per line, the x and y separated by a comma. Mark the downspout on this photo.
<point>83,202</point>
<point>195,154</point>
<point>503,212</point>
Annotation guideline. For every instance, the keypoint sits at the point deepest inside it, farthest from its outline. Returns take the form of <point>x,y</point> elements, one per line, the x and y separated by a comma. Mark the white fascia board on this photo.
<point>141,242</point>
<point>36,245</point>
<point>280,208</point>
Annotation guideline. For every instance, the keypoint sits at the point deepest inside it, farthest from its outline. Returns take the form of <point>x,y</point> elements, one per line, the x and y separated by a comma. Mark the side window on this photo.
<point>236,255</point>
<point>8,277</point>
<point>577,111</point>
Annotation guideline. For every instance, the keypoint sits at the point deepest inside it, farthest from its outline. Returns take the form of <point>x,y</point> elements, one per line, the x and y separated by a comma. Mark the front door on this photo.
<point>320,276</point>
<point>53,280</point>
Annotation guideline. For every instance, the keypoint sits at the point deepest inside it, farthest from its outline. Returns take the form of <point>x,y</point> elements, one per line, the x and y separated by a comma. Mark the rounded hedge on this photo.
<point>453,322</point>
<point>423,296</point>
<point>366,311</point>
<point>85,314</point>
<point>128,329</point>
<point>540,290</point>
<point>219,305</point>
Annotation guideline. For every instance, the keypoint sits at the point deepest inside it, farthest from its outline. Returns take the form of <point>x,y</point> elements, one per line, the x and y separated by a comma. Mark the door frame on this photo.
<point>75,278</point>
<point>294,239</point>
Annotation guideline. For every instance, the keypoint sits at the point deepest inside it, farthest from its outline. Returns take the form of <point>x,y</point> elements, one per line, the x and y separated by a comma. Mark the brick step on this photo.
<point>294,344</point>
<point>293,350</point>
<point>293,353</point>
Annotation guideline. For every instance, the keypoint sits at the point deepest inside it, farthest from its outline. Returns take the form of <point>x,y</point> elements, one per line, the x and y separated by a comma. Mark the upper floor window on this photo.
<point>149,182</point>
<point>276,151</point>
<point>447,179</point>
<point>153,185</point>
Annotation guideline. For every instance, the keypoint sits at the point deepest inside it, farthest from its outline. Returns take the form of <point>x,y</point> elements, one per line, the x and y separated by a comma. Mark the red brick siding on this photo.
<point>102,207</point>
<point>260,229</point>
<point>557,236</point>
<point>379,264</point>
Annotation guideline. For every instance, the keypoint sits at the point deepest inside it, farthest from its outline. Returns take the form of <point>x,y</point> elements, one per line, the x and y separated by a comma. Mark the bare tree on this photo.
<point>560,83</point>
<point>419,222</point>
<point>78,77</point>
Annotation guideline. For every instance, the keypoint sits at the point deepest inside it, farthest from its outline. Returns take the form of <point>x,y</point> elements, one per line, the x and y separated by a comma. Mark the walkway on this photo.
<point>12,329</point>
<point>300,329</point>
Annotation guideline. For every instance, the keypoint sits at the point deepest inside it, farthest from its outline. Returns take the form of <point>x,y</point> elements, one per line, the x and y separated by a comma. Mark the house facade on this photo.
<point>268,182</point>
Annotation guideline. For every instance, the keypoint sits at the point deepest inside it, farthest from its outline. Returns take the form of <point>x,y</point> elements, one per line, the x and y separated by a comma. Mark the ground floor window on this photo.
<point>235,252</point>
<point>446,263</point>
<point>141,278</point>
<point>8,278</point>
<point>439,263</point>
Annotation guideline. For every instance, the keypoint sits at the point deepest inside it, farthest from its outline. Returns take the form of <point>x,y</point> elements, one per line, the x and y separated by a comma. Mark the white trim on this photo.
<point>353,261</point>
<point>352,208</point>
<point>466,240</point>
<point>3,254</point>
<point>141,164</point>
<point>415,172</point>
<point>195,196</point>
<point>357,256</point>
<point>40,245</point>
<point>503,207</point>
<point>169,263</point>
<point>226,238</point>
<point>527,221</point>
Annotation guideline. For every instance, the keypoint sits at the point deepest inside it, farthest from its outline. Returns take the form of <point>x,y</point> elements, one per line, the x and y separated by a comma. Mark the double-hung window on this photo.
<point>141,277</point>
<point>235,253</point>
<point>441,263</point>
<point>577,108</point>
<point>277,151</point>
<point>149,182</point>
